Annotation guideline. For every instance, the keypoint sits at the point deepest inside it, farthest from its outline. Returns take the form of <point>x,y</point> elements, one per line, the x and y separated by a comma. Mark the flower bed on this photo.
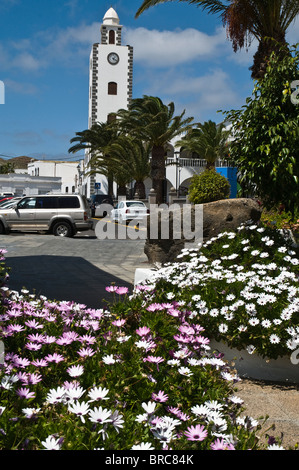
<point>137,376</point>
<point>242,287</point>
<point>141,374</point>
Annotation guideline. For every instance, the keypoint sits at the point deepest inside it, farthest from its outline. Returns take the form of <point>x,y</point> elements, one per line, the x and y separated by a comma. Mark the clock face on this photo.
<point>113,58</point>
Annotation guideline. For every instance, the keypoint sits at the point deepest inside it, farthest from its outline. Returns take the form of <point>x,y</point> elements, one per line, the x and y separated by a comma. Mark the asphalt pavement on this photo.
<point>77,268</point>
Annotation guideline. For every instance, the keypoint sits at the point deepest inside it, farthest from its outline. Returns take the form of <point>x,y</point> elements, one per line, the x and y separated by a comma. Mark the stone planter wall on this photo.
<point>255,367</point>
<point>218,216</point>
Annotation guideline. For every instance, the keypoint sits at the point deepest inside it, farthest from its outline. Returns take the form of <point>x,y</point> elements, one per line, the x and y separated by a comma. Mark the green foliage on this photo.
<point>279,218</point>
<point>208,186</point>
<point>6,168</point>
<point>208,140</point>
<point>266,135</point>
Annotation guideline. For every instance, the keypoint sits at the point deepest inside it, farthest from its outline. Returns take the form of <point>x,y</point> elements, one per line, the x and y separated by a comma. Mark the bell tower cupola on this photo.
<point>110,28</point>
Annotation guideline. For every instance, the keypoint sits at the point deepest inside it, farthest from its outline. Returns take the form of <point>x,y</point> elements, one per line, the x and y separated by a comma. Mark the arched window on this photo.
<point>112,88</point>
<point>111,36</point>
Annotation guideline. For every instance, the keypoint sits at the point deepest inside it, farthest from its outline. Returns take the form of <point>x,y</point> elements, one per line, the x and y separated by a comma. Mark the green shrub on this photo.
<point>208,186</point>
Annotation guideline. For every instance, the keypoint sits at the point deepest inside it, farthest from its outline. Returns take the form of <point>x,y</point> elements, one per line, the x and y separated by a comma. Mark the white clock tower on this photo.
<point>110,81</point>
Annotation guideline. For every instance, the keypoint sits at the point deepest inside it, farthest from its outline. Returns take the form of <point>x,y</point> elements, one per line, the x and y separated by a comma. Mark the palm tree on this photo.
<point>148,119</point>
<point>248,19</point>
<point>96,140</point>
<point>208,140</point>
<point>130,158</point>
<point>116,156</point>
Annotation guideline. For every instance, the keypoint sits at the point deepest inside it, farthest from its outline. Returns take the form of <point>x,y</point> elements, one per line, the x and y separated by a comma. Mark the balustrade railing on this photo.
<point>194,162</point>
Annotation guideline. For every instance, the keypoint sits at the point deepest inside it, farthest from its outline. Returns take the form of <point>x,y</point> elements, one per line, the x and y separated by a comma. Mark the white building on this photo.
<point>110,84</point>
<point>68,172</point>
<point>28,185</point>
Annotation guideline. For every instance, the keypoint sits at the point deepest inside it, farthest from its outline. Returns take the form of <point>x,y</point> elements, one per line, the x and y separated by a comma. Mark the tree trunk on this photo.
<point>158,172</point>
<point>210,165</point>
<point>121,190</point>
<point>263,53</point>
<point>139,188</point>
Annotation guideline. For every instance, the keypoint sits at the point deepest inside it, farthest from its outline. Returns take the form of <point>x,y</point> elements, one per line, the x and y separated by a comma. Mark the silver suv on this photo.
<point>61,214</point>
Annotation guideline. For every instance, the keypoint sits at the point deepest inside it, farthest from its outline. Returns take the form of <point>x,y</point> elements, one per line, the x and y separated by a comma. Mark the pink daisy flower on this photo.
<point>111,288</point>
<point>220,444</point>
<point>25,393</point>
<point>122,290</point>
<point>119,322</point>
<point>86,352</point>
<point>196,433</point>
<point>54,358</point>
<point>143,331</point>
<point>161,397</point>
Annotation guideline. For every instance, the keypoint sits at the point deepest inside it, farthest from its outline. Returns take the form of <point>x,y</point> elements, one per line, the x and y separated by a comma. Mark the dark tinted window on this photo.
<point>68,202</point>
<point>27,203</point>
<point>135,203</point>
<point>101,198</point>
<point>46,202</point>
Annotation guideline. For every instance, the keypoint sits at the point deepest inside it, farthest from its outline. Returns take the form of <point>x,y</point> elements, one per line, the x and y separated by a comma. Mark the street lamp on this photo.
<point>177,177</point>
<point>80,173</point>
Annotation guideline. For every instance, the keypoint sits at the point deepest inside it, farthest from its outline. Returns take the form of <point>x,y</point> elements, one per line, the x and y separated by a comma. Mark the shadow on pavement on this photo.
<point>62,278</point>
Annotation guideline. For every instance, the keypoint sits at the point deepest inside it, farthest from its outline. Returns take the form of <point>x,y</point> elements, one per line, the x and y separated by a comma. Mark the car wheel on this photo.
<point>2,229</point>
<point>62,229</point>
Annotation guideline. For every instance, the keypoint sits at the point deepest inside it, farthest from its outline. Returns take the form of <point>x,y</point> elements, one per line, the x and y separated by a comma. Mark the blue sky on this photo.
<point>180,54</point>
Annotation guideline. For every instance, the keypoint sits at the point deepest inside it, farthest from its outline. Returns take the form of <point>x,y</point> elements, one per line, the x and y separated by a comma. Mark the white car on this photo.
<point>125,211</point>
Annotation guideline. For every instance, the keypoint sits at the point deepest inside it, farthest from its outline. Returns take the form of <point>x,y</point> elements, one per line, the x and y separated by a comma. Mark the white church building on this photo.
<point>110,89</point>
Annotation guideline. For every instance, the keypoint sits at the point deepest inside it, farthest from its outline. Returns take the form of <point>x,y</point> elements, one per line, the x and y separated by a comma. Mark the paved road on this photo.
<point>76,268</point>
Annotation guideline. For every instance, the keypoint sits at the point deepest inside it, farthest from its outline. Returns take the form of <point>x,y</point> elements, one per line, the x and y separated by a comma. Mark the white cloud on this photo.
<point>26,61</point>
<point>69,47</point>
<point>171,48</point>
<point>292,35</point>
<point>20,87</point>
<point>201,96</point>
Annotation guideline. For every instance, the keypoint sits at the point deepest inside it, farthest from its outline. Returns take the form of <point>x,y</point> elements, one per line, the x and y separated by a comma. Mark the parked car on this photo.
<point>61,214</point>
<point>98,200</point>
<point>125,211</point>
<point>9,203</point>
<point>4,199</point>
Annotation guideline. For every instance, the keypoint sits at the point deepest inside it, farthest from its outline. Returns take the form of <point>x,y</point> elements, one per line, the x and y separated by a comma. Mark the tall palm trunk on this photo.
<point>265,48</point>
<point>210,165</point>
<point>139,189</point>
<point>158,172</point>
